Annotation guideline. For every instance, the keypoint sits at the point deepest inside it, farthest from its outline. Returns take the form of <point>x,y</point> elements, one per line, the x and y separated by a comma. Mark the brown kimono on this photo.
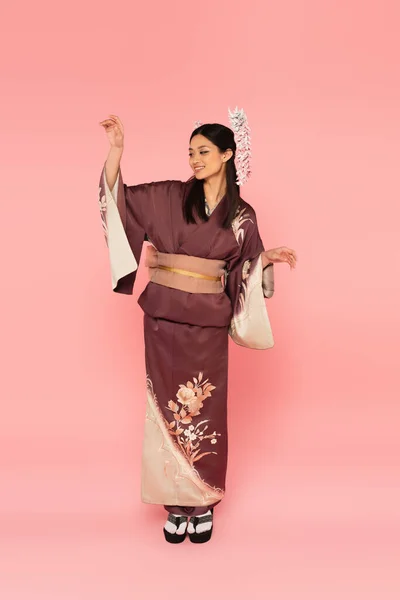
<point>206,284</point>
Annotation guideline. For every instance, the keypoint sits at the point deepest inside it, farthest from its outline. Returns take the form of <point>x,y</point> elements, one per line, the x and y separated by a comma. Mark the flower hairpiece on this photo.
<point>241,130</point>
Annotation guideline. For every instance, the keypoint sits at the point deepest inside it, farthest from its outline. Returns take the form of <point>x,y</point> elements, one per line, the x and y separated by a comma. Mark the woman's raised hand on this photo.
<point>114,130</point>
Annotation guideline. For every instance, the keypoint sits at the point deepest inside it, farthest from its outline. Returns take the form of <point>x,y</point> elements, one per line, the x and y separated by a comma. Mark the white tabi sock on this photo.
<point>201,527</point>
<point>172,528</point>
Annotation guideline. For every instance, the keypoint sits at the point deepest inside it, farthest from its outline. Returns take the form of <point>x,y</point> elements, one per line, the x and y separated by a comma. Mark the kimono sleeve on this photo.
<point>126,213</point>
<point>248,284</point>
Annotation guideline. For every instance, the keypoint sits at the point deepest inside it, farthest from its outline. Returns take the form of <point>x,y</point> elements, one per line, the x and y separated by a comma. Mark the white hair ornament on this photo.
<point>241,130</point>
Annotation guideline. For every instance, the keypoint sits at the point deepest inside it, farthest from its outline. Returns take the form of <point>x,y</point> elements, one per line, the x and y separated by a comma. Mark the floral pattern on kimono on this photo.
<point>169,474</point>
<point>188,434</point>
<point>248,284</point>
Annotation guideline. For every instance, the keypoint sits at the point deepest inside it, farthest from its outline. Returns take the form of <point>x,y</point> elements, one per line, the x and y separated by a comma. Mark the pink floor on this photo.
<point>322,535</point>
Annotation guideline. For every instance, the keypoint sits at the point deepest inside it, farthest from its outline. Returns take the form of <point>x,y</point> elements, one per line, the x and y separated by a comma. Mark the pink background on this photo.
<point>313,491</point>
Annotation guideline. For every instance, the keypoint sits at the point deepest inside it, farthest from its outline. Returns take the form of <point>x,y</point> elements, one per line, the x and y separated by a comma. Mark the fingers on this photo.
<point>289,250</point>
<point>291,256</point>
<point>284,254</point>
<point>112,120</point>
<point>109,123</point>
<point>292,261</point>
<point>118,120</point>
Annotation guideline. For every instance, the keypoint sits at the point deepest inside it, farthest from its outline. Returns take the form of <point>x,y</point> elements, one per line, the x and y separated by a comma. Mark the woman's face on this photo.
<point>205,158</point>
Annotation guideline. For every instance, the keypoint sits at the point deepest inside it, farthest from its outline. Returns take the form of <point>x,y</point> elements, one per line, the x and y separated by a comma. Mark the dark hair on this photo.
<point>223,138</point>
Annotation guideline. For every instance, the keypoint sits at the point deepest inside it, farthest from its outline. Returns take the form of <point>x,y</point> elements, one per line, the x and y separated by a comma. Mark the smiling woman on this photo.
<point>207,282</point>
<point>211,156</point>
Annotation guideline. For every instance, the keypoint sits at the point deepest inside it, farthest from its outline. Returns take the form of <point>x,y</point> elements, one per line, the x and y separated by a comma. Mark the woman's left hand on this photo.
<point>281,254</point>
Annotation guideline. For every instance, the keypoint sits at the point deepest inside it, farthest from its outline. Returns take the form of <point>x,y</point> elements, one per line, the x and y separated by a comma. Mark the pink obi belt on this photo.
<point>186,273</point>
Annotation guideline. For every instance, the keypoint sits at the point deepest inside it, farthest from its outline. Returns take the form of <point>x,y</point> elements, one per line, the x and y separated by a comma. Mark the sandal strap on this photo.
<point>201,519</point>
<point>176,519</point>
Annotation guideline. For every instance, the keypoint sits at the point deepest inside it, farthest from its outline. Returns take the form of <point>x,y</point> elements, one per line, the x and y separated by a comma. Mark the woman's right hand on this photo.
<point>114,130</point>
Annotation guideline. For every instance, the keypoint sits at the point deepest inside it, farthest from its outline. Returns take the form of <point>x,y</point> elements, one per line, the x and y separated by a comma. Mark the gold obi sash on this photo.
<point>186,273</point>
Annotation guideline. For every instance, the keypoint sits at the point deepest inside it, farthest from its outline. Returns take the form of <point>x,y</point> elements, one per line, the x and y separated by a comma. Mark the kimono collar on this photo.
<point>211,210</point>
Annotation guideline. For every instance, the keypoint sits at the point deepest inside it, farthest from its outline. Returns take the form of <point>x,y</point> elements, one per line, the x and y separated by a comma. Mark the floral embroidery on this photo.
<point>191,397</point>
<point>191,431</point>
<point>246,269</point>
<point>245,276</point>
<point>103,211</point>
<point>240,218</point>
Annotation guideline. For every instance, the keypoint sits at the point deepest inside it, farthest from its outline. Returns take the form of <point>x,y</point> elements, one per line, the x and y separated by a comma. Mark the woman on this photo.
<point>209,276</point>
